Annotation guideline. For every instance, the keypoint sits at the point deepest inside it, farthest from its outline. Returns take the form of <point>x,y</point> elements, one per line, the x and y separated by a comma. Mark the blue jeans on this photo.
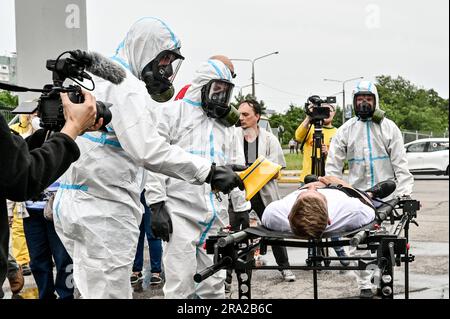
<point>154,244</point>
<point>43,244</point>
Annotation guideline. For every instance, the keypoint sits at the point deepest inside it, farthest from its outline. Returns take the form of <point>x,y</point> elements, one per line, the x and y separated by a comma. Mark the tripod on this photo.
<point>317,155</point>
<point>317,169</point>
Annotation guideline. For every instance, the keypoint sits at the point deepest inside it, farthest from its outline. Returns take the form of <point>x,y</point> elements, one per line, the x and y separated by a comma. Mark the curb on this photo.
<point>289,180</point>
<point>290,177</point>
<point>291,173</point>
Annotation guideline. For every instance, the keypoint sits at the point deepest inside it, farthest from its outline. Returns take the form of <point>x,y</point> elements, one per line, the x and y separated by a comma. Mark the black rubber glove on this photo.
<point>237,168</point>
<point>161,222</point>
<point>223,179</point>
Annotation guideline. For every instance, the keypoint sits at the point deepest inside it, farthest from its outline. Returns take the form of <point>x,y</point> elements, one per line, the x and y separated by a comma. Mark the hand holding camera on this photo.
<point>50,109</point>
<point>315,111</point>
<point>80,117</point>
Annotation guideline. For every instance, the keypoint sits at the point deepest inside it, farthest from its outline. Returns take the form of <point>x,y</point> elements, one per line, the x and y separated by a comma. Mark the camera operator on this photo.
<point>306,138</point>
<point>259,142</point>
<point>25,173</point>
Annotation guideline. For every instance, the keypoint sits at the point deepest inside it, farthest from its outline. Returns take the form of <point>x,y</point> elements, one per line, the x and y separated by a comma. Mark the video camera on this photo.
<point>315,110</point>
<point>49,105</point>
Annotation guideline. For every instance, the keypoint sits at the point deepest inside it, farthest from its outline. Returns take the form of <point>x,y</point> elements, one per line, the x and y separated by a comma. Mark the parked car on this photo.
<point>428,156</point>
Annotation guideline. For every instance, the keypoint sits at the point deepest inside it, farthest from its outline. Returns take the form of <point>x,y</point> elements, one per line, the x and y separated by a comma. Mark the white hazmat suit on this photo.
<point>195,211</point>
<point>97,208</point>
<point>375,153</point>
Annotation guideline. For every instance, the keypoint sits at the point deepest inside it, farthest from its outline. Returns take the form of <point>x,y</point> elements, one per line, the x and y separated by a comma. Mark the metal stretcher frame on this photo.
<point>235,250</point>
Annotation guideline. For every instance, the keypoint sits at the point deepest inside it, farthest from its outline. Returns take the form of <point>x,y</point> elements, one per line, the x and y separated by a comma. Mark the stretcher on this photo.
<point>387,238</point>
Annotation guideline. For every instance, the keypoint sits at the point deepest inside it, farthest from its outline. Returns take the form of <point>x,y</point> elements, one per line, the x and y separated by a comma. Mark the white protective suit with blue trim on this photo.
<point>195,211</point>
<point>97,208</point>
<point>375,153</point>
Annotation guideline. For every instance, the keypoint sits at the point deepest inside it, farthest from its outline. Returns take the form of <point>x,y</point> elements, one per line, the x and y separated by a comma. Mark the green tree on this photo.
<point>290,121</point>
<point>337,120</point>
<point>7,100</point>
<point>410,107</point>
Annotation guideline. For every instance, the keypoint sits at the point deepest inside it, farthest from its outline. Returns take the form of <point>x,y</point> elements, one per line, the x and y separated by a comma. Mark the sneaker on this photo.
<point>288,275</point>
<point>16,281</point>
<point>26,270</point>
<point>136,277</point>
<point>341,253</point>
<point>382,189</point>
<point>155,279</point>
<point>366,294</point>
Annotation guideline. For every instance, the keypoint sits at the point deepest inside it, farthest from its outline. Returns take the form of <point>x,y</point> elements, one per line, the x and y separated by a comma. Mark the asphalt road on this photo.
<point>429,273</point>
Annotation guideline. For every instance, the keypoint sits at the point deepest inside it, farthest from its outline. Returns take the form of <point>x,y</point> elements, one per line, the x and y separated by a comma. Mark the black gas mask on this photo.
<point>216,95</point>
<point>159,74</point>
<point>364,111</point>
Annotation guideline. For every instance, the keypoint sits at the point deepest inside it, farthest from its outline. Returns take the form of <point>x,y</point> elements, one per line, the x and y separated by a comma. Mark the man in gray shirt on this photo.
<point>259,142</point>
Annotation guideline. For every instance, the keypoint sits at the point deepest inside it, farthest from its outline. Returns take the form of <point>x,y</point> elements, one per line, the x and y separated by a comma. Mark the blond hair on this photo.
<point>309,217</point>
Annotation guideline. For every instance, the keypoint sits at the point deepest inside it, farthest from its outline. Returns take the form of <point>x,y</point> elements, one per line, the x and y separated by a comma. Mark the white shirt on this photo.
<point>345,213</point>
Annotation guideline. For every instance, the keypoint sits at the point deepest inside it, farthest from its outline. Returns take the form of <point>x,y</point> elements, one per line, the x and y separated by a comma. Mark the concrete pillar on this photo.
<point>44,29</point>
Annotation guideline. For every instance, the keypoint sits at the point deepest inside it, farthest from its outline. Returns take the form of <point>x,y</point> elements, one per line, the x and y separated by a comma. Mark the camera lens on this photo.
<point>103,112</point>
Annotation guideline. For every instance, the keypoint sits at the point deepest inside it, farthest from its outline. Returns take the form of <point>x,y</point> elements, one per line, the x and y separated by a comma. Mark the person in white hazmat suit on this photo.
<point>373,146</point>
<point>195,124</point>
<point>97,211</point>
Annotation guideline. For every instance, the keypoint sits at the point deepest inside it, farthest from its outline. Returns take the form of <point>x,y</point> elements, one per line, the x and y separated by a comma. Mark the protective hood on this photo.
<point>144,41</point>
<point>365,111</point>
<point>366,87</point>
<point>210,70</point>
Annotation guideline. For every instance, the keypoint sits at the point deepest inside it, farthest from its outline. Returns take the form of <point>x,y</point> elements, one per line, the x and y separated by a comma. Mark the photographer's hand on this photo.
<point>306,121</point>
<point>79,117</point>
<point>96,126</point>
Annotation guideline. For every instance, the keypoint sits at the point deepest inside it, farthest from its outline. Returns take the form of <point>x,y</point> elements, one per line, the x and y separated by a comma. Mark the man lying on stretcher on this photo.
<point>326,206</point>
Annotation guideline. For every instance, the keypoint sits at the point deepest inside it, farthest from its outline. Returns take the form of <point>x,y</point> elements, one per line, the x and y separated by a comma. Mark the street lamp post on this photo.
<point>245,86</point>
<point>343,92</point>
<point>253,67</point>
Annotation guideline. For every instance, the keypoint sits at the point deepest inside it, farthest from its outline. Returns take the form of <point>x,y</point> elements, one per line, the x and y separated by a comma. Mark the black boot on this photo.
<point>310,178</point>
<point>382,189</point>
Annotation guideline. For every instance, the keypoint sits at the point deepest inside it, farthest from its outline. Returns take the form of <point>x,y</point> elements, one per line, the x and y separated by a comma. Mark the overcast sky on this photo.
<point>316,40</point>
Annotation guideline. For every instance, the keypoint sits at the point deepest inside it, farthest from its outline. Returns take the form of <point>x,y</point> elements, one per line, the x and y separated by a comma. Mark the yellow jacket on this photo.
<point>300,133</point>
<point>24,125</point>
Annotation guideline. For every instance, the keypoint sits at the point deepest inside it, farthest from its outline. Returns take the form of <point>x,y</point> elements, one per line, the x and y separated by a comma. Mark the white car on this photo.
<point>428,156</point>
